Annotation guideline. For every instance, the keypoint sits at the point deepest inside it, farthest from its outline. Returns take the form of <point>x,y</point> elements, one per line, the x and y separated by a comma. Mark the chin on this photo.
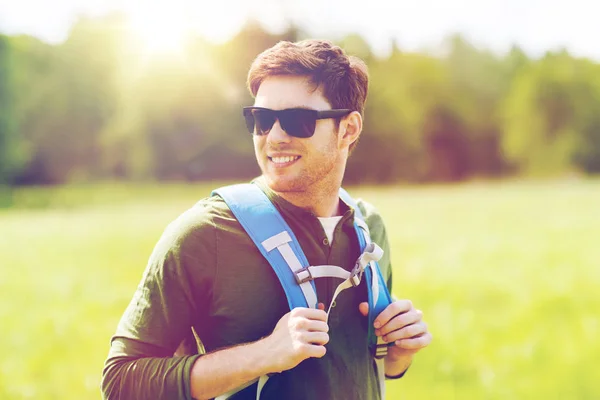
<point>286,184</point>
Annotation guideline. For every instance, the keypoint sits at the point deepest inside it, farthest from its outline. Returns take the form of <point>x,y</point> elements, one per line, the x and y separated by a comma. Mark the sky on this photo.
<point>535,25</point>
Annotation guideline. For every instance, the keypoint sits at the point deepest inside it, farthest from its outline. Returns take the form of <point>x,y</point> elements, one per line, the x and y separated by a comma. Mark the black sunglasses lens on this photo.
<point>264,120</point>
<point>299,123</point>
<point>249,121</point>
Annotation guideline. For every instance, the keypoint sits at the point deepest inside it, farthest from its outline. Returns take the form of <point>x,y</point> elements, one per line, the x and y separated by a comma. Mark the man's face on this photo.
<point>292,164</point>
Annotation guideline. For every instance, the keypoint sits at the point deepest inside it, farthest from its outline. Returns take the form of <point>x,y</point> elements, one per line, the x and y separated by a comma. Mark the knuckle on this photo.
<point>303,337</point>
<point>296,338</point>
<point>401,320</point>
<point>301,323</point>
<point>299,312</point>
<point>417,330</point>
<point>403,333</point>
<point>304,348</point>
<point>299,347</point>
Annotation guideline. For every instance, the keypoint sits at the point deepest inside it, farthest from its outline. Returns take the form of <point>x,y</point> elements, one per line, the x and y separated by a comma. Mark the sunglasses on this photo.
<point>297,122</point>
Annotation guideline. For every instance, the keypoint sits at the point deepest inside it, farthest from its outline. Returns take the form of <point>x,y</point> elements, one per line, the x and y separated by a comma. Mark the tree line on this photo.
<point>95,108</point>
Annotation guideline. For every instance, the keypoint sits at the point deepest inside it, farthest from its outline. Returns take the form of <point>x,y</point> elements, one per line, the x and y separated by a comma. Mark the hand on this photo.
<point>401,323</point>
<point>299,334</point>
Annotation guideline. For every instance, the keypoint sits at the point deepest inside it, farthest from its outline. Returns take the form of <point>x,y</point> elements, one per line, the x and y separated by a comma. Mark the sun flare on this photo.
<point>159,30</point>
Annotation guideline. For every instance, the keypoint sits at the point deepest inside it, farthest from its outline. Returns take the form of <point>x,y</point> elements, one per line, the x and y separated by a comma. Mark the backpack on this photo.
<point>278,244</point>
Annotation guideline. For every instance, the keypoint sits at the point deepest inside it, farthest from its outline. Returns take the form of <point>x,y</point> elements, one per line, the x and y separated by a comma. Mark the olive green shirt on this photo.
<point>206,274</point>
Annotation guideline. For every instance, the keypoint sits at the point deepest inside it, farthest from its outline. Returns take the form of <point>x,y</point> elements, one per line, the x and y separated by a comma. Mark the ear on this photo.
<point>350,128</point>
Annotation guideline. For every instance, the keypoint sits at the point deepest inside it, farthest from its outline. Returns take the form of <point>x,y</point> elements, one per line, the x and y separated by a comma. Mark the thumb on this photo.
<point>321,306</point>
<point>364,308</point>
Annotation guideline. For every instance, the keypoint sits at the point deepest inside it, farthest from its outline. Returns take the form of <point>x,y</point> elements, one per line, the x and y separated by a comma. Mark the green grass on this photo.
<point>507,274</point>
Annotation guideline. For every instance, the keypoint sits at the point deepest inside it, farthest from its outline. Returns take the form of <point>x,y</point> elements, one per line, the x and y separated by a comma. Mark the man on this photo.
<point>206,274</point>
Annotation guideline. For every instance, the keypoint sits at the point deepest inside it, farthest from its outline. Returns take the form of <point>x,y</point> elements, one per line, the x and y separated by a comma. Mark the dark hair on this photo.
<point>344,79</point>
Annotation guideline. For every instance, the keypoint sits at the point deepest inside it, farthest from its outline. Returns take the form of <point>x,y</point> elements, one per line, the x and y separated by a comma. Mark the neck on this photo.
<point>321,197</point>
<point>320,203</point>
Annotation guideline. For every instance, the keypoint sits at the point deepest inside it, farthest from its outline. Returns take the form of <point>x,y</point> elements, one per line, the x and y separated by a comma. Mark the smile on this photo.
<point>284,160</point>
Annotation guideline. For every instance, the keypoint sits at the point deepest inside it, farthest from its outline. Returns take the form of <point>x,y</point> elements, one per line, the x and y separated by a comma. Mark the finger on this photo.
<point>315,351</point>
<point>400,321</point>
<point>408,332</point>
<point>319,338</point>
<point>309,313</point>
<point>301,324</point>
<point>321,306</point>
<point>317,326</point>
<point>415,343</point>
<point>391,311</point>
<point>364,308</point>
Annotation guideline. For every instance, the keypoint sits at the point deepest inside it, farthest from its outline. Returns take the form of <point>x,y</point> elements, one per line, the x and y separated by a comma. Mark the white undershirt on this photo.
<point>329,225</point>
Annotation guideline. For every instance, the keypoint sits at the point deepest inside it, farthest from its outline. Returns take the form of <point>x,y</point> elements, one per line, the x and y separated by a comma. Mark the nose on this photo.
<point>277,134</point>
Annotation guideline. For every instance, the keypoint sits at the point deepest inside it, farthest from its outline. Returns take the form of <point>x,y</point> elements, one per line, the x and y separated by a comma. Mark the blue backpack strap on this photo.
<point>269,232</point>
<point>379,302</point>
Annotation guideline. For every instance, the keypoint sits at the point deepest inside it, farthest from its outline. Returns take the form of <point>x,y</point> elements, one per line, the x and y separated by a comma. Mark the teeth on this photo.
<point>283,160</point>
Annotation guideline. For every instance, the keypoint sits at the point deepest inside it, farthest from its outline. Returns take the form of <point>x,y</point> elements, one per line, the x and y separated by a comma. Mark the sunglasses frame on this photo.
<point>324,114</point>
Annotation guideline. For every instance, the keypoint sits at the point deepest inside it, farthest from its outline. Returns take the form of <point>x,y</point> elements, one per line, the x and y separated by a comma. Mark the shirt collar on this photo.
<point>283,204</point>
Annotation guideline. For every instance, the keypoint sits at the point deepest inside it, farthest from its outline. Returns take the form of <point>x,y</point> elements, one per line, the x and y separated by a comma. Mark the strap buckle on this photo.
<point>356,274</point>
<point>303,279</point>
<point>380,350</point>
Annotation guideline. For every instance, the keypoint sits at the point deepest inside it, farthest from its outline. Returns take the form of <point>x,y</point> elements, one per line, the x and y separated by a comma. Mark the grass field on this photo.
<point>507,274</point>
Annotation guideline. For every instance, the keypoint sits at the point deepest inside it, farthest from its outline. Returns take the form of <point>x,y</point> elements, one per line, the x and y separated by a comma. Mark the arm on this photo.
<point>173,296</point>
<point>395,369</point>
<point>402,324</point>
<point>299,334</point>
<point>393,324</point>
<point>222,371</point>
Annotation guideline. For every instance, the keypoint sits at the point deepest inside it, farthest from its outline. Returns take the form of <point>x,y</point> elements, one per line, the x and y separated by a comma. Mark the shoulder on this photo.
<point>373,218</point>
<point>196,226</point>
<point>369,210</point>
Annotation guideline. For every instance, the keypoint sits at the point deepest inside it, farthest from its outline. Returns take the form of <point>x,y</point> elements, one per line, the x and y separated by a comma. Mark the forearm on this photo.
<point>222,371</point>
<point>396,366</point>
<point>134,377</point>
<point>187,377</point>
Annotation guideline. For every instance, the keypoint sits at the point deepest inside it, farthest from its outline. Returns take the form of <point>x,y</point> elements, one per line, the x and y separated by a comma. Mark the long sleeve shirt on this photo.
<point>206,276</point>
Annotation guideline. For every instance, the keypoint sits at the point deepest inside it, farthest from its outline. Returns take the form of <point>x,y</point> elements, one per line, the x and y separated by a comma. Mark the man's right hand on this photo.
<point>299,334</point>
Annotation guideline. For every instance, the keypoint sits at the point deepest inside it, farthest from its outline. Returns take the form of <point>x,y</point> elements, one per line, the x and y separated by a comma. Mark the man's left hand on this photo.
<point>403,324</point>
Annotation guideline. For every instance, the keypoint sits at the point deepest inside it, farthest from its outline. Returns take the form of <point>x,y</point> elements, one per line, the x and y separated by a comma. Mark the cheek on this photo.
<point>325,134</point>
<point>258,142</point>
<point>326,125</point>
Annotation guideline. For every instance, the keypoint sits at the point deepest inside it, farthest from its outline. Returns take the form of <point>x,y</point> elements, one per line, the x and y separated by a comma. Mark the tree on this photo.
<point>550,116</point>
<point>12,149</point>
